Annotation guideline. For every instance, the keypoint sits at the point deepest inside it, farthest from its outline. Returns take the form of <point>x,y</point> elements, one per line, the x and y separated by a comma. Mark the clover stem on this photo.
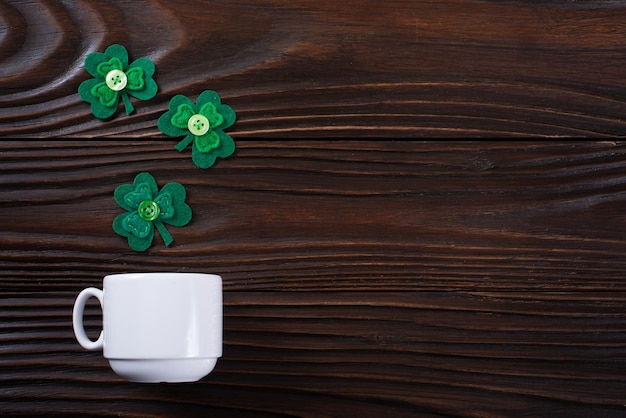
<point>127,104</point>
<point>167,238</point>
<point>184,143</point>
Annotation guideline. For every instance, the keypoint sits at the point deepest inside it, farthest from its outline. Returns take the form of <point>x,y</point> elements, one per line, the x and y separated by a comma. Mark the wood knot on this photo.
<point>482,164</point>
<point>386,338</point>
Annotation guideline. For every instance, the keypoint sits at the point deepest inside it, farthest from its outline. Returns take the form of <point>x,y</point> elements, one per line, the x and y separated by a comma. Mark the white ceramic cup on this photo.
<point>157,327</point>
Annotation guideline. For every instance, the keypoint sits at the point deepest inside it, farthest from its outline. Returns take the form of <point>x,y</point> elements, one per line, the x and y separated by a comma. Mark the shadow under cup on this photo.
<point>157,327</point>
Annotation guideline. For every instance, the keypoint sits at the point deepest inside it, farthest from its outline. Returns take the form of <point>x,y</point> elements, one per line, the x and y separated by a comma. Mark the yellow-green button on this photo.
<point>116,80</point>
<point>148,210</point>
<point>198,125</point>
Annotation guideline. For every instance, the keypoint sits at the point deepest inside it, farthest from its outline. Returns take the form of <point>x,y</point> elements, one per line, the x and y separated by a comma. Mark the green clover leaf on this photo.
<point>148,208</point>
<point>202,125</point>
<point>115,78</point>
<point>115,63</point>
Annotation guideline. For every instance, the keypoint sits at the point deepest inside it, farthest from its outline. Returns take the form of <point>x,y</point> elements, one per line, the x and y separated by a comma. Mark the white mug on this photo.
<point>157,327</point>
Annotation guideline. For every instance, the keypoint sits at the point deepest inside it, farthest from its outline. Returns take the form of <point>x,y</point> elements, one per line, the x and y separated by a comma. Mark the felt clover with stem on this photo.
<point>115,78</point>
<point>148,207</point>
<point>201,124</point>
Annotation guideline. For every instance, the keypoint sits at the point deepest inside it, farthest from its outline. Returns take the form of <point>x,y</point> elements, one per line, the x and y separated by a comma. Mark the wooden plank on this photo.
<point>346,354</point>
<point>327,215</point>
<point>314,69</point>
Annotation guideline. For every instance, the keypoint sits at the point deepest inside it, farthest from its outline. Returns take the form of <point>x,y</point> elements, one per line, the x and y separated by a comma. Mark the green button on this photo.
<point>149,210</point>
<point>198,125</point>
<point>116,80</point>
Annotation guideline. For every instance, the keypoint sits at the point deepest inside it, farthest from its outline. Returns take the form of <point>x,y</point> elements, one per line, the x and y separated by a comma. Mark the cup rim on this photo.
<point>170,275</point>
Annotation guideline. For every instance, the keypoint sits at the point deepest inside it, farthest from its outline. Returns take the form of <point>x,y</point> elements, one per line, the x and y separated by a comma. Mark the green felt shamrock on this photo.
<point>202,123</point>
<point>115,78</point>
<point>147,208</point>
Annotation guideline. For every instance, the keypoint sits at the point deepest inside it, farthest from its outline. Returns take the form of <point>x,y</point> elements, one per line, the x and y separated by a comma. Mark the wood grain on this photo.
<point>362,278</point>
<point>347,354</point>
<point>334,215</point>
<point>319,69</point>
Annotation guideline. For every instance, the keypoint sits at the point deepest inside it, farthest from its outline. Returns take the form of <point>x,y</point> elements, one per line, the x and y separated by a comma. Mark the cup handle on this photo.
<point>77,319</point>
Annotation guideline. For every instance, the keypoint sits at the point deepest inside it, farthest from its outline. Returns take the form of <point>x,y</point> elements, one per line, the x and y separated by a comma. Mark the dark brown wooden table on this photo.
<point>370,269</point>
